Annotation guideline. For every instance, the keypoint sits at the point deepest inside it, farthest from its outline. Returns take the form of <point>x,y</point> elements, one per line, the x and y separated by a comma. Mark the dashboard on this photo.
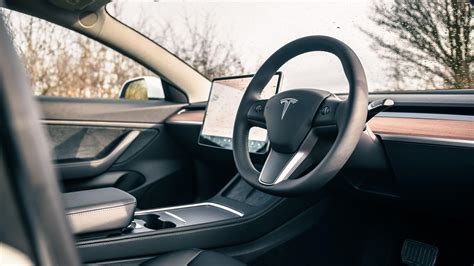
<point>422,148</point>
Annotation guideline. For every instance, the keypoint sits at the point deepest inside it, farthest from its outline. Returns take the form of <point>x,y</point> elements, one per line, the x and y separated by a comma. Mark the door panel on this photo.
<point>104,143</point>
<point>78,109</point>
<point>81,152</point>
<point>78,143</point>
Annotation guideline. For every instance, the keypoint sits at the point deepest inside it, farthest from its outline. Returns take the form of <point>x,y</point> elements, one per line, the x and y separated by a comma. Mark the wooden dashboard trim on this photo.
<point>419,127</point>
<point>187,117</point>
<point>423,127</point>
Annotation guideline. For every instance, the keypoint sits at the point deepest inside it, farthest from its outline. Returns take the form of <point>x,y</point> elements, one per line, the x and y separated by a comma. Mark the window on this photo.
<point>64,63</point>
<point>403,44</point>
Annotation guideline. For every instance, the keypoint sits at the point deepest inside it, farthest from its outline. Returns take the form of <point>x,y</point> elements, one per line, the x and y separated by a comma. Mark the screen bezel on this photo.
<point>200,139</point>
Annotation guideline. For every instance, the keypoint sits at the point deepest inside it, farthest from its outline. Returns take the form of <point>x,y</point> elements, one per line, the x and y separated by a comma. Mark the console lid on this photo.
<point>99,210</point>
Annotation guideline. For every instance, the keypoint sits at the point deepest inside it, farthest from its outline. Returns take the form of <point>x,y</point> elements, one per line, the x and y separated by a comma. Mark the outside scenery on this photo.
<point>61,62</point>
<point>403,44</point>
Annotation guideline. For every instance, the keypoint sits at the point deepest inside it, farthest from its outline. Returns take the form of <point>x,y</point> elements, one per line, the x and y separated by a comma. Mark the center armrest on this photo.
<point>97,210</point>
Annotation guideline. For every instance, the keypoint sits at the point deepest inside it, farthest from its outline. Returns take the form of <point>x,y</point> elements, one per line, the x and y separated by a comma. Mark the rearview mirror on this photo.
<point>142,88</point>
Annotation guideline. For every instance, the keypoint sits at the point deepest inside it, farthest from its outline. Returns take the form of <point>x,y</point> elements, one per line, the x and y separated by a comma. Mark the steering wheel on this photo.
<point>312,133</point>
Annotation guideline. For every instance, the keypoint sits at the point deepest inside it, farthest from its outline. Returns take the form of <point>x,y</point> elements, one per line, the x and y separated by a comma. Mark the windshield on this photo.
<point>403,44</point>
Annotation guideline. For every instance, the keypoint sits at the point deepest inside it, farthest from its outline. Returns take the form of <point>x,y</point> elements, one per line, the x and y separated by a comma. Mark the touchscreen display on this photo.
<point>224,100</point>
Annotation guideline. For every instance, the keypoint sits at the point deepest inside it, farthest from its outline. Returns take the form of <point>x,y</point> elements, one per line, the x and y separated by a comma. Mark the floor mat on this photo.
<point>358,232</point>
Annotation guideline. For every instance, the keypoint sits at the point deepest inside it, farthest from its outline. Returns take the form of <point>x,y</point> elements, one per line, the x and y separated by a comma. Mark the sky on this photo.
<point>257,29</point>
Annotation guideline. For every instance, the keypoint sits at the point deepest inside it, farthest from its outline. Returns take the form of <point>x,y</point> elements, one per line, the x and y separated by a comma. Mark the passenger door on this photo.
<point>123,144</point>
<point>98,139</point>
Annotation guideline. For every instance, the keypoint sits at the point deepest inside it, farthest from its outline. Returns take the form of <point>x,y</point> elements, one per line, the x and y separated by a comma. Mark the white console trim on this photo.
<point>175,216</point>
<point>190,206</point>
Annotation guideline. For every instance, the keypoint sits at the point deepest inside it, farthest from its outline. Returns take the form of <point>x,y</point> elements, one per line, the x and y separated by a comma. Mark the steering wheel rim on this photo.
<point>349,118</point>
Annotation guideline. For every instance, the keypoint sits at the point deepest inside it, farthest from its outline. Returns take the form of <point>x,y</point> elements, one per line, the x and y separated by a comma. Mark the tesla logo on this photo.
<point>286,103</point>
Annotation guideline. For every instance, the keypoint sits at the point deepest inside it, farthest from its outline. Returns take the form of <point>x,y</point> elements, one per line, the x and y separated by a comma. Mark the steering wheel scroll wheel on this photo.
<point>303,155</point>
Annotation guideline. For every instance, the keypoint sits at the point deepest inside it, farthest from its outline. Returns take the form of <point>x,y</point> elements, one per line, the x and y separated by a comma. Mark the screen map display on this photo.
<point>224,100</point>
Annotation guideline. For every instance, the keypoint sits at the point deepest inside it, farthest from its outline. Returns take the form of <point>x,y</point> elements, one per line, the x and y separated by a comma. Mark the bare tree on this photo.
<point>425,40</point>
<point>195,42</point>
<point>61,62</point>
<point>200,47</point>
<point>5,15</point>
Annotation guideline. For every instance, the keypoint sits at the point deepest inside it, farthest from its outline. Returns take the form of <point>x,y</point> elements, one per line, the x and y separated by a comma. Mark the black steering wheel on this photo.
<point>300,123</point>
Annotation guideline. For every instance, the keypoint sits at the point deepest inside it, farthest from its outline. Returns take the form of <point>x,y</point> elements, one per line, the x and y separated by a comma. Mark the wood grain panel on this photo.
<point>188,117</point>
<point>421,127</point>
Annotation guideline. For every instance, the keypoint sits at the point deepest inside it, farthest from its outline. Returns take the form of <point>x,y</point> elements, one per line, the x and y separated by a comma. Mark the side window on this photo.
<point>64,63</point>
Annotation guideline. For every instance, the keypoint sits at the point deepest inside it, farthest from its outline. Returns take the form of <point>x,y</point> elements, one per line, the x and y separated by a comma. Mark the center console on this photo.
<point>237,214</point>
<point>181,216</point>
<point>109,212</point>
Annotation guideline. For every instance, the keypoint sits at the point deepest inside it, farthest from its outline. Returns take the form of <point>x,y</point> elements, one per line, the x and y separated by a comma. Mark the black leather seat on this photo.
<point>194,257</point>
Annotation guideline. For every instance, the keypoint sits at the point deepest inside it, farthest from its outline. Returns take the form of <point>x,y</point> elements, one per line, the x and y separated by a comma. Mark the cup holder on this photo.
<point>152,221</point>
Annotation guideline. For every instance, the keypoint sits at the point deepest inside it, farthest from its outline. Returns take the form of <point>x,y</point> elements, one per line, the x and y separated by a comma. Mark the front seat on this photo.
<point>194,257</point>
<point>27,150</point>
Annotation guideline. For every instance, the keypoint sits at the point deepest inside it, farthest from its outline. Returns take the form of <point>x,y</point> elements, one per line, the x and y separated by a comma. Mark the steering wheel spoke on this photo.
<point>255,115</point>
<point>327,116</point>
<point>282,166</point>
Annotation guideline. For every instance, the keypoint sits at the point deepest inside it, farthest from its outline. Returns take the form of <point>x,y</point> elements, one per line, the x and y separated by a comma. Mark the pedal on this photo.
<point>418,254</point>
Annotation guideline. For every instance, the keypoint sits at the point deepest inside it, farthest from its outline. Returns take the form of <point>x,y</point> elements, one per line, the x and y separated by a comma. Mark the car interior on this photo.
<point>232,170</point>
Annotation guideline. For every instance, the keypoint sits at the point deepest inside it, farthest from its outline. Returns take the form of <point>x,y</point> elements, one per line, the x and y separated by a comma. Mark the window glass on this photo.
<point>403,44</point>
<point>61,62</point>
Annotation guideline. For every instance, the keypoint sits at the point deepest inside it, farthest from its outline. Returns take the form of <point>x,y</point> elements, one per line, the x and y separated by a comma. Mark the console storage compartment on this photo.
<point>152,221</point>
<point>99,210</point>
